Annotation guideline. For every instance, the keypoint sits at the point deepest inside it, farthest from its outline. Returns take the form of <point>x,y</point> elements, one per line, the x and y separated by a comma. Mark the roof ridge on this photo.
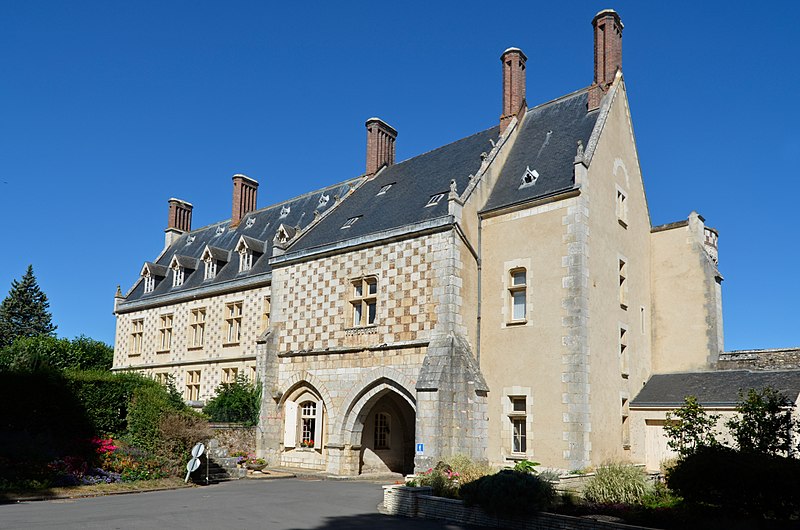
<point>482,131</point>
<point>559,99</point>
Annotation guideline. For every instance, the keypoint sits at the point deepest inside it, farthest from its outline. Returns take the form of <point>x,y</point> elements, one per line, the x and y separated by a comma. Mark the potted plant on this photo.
<point>307,444</point>
<point>256,464</point>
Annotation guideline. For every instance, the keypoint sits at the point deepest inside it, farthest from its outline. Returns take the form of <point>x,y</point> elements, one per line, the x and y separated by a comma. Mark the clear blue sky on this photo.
<point>109,108</point>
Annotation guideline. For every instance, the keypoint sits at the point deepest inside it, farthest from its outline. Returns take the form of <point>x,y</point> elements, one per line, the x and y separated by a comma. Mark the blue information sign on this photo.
<point>420,449</point>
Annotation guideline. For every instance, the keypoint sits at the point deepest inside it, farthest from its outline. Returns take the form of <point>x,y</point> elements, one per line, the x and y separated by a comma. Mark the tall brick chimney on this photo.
<point>179,220</point>
<point>513,85</point>
<point>380,145</point>
<point>607,53</point>
<point>244,197</point>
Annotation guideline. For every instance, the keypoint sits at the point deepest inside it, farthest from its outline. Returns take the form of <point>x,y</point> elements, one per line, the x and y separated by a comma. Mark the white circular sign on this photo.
<point>198,450</point>
<point>192,465</point>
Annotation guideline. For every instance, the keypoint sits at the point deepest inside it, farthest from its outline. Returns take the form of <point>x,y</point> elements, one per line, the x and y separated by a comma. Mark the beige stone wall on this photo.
<point>215,354</point>
<point>526,357</point>
<point>687,321</point>
<point>617,234</point>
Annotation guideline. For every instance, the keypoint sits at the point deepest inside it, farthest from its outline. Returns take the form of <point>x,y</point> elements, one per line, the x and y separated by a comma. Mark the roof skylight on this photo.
<point>434,200</point>
<point>350,222</point>
<point>384,189</point>
<point>529,178</point>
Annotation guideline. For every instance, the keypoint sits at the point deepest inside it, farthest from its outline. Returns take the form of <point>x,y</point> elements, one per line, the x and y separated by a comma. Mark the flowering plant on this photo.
<point>307,443</point>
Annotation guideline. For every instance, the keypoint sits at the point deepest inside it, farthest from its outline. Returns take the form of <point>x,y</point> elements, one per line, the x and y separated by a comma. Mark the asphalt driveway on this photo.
<point>271,504</point>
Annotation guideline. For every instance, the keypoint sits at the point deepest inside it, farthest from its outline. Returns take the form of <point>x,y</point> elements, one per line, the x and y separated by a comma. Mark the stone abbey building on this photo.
<point>504,296</point>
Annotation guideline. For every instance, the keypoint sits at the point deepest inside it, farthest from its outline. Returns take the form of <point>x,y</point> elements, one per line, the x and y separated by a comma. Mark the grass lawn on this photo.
<point>93,490</point>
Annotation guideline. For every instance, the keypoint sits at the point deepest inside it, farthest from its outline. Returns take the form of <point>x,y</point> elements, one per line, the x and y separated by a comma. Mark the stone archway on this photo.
<point>387,437</point>
<point>380,424</point>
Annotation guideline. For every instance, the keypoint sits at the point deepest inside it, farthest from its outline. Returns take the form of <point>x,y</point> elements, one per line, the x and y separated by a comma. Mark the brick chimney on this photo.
<point>380,145</point>
<point>513,85</point>
<point>607,54</point>
<point>244,197</point>
<point>179,220</point>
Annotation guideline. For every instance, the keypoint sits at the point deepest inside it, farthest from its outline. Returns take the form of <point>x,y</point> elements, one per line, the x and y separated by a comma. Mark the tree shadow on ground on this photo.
<point>386,522</point>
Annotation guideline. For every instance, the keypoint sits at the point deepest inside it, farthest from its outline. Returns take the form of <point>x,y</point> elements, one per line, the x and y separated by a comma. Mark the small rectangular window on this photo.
<point>193,385</point>
<point>149,284</point>
<point>229,375</point>
<point>211,269</point>
<point>519,436</point>
<point>265,314</point>
<point>623,284</point>
<point>623,351</point>
<point>622,208</point>
<point>518,293</point>
<point>245,259</point>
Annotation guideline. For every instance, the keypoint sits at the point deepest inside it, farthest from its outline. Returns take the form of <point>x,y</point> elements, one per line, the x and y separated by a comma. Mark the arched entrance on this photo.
<point>387,436</point>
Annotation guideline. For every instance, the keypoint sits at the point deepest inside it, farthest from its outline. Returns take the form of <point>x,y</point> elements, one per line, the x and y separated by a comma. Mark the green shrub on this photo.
<point>764,423</point>
<point>148,405</point>
<point>616,483</point>
<point>690,427</point>
<point>746,483</point>
<point>81,353</point>
<point>106,396</point>
<point>441,479</point>
<point>239,401</point>
<point>178,431</point>
<point>509,493</point>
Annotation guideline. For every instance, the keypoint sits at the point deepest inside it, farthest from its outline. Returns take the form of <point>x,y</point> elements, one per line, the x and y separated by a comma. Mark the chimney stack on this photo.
<point>244,197</point>
<point>380,145</point>
<point>607,54</point>
<point>513,85</point>
<point>180,215</point>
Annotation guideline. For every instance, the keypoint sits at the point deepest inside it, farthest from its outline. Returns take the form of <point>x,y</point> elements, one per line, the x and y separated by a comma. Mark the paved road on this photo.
<point>286,504</point>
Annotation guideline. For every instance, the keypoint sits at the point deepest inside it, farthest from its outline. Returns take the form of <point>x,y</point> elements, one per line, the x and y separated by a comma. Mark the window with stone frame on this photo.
<point>251,373</point>
<point>364,301</point>
<point>233,322</point>
<point>267,308</point>
<point>229,375</point>
<point>163,378</point>
<point>165,332</point>
<point>623,284</point>
<point>178,274</point>
<point>197,327</point>
<point>623,351</point>
<point>193,385</point>
<point>518,417</point>
<point>518,294</point>
<point>622,207</point>
<point>383,424</point>
<point>137,336</point>
<point>308,420</point>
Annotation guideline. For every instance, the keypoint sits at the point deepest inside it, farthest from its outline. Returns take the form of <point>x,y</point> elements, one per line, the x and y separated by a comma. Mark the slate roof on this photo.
<point>413,182</point>
<point>546,144</point>
<point>714,388</point>
<point>220,237</point>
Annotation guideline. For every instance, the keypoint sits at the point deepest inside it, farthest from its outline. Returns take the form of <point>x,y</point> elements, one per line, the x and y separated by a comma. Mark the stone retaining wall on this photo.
<point>230,437</point>
<point>418,502</point>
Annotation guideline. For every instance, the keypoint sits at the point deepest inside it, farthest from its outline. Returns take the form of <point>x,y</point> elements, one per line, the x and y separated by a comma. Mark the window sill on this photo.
<point>517,322</point>
<point>162,351</point>
<point>135,354</point>
<point>228,344</point>
<point>193,348</point>
<point>517,456</point>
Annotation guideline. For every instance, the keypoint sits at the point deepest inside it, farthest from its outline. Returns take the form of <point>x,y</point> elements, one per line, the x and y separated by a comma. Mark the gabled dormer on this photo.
<point>180,265</point>
<point>214,259</point>
<point>249,250</point>
<point>152,273</point>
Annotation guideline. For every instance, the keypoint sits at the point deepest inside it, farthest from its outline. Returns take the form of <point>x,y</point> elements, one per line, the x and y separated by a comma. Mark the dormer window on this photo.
<point>529,178</point>
<point>384,189</point>
<point>211,269</point>
<point>285,211</point>
<point>323,200</point>
<point>150,273</point>
<point>178,275</point>
<point>212,258</point>
<point>247,248</point>
<point>245,259</point>
<point>350,222</point>
<point>435,199</point>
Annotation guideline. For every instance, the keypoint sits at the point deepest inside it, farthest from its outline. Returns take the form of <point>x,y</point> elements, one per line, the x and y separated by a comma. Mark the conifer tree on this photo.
<point>24,312</point>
